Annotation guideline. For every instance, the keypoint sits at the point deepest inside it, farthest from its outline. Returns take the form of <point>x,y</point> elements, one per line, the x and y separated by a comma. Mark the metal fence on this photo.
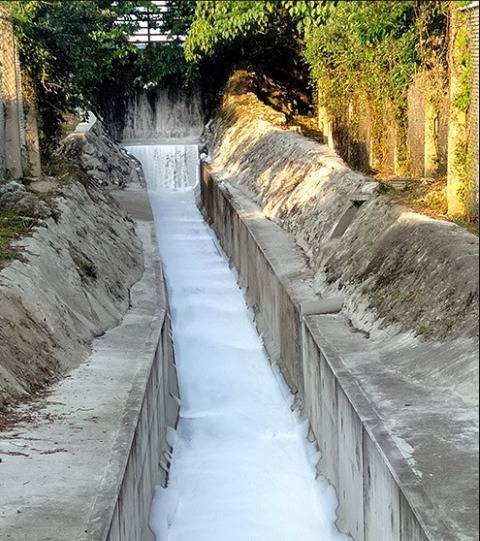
<point>19,142</point>
<point>150,23</point>
<point>473,15</point>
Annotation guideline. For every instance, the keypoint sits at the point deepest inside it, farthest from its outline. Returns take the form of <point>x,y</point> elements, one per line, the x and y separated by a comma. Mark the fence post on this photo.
<point>472,11</point>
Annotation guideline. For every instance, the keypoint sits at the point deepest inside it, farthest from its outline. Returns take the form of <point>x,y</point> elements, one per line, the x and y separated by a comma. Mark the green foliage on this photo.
<point>384,188</point>
<point>261,36</point>
<point>463,63</point>
<point>367,48</point>
<point>218,24</point>
<point>5,174</point>
<point>463,164</point>
<point>68,51</point>
<point>461,84</point>
<point>424,331</point>
<point>163,64</point>
<point>77,54</point>
<point>178,16</point>
<point>370,48</point>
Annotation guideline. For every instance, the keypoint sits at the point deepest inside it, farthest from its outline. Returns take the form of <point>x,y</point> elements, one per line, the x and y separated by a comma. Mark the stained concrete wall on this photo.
<point>357,407</point>
<point>153,114</point>
<point>12,134</point>
<point>147,461</point>
<point>19,142</point>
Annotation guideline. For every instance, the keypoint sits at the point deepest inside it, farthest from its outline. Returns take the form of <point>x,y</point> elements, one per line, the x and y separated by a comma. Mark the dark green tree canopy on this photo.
<point>77,54</point>
<point>347,46</point>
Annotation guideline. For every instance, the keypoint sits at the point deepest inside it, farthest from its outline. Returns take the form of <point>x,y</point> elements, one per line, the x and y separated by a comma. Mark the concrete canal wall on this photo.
<point>380,429</point>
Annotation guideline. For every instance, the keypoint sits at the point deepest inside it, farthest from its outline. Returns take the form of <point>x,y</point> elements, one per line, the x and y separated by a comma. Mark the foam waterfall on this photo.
<point>168,167</point>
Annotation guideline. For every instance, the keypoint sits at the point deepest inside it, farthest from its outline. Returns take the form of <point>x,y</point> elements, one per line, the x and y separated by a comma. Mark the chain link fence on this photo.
<point>473,19</point>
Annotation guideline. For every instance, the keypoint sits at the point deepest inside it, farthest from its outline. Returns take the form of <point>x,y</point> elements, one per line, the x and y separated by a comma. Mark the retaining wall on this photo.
<point>379,484</point>
<point>151,409</point>
<point>150,412</point>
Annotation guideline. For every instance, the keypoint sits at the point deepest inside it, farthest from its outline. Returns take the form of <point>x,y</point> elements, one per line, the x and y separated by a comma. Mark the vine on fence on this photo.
<point>374,54</point>
<point>372,48</point>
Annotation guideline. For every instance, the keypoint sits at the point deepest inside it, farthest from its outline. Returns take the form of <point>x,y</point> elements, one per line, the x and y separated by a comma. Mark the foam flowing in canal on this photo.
<point>242,466</point>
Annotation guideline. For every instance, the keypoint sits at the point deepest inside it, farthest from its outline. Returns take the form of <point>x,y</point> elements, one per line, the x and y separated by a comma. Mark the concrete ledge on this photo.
<point>86,125</point>
<point>86,468</point>
<point>388,430</point>
<point>331,305</point>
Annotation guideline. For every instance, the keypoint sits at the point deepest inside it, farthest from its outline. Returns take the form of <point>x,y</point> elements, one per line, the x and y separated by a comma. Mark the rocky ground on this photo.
<point>95,153</point>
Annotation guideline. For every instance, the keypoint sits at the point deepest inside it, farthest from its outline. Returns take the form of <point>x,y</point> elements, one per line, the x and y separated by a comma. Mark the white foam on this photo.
<point>171,167</point>
<point>243,468</point>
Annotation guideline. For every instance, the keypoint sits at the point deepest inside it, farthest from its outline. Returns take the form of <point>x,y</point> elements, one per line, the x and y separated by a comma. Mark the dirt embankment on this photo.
<point>398,270</point>
<point>69,278</point>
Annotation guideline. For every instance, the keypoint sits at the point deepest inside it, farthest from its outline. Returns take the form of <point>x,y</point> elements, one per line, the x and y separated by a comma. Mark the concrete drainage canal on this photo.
<point>242,464</point>
<point>228,401</point>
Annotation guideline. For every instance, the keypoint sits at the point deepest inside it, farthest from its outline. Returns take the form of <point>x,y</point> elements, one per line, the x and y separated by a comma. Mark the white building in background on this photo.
<point>150,25</point>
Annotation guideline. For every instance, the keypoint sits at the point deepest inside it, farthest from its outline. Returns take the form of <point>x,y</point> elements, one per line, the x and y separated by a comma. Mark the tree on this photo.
<point>69,50</point>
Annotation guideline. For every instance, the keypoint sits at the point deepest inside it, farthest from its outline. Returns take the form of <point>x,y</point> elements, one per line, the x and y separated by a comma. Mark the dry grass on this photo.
<point>12,227</point>
<point>428,197</point>
<point>422,195</point>
<point>308,126</point>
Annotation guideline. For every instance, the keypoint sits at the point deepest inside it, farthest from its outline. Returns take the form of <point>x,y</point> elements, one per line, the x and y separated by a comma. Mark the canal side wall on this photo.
<point>379,483</point>
<point>147,461</point>
<point>152,408</point>
<point>140,457</point>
